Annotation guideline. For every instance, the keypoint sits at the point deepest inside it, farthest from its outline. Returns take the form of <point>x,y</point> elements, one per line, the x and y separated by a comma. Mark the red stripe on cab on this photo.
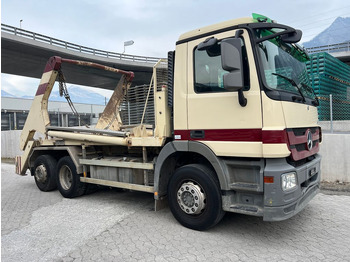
<point>236,135</point>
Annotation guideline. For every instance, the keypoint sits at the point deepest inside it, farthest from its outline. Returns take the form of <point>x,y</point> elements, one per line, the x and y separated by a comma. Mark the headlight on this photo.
<point>289,181</point>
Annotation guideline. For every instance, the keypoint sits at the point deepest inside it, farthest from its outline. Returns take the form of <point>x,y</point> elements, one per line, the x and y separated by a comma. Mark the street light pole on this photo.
<point>20,23</point>
<point>128,43</point>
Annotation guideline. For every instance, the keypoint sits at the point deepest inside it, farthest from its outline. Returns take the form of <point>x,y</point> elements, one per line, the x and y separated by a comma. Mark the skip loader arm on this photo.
<point>38,117</point>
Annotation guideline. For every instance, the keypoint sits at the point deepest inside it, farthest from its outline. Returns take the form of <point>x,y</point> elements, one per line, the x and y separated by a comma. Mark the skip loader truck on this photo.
<point>227,124</point>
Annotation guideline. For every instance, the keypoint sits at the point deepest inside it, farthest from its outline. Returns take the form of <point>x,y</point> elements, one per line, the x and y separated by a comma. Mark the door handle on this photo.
<point>197,134</point>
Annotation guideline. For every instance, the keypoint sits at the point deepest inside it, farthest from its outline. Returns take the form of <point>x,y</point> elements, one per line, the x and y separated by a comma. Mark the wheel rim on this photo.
<point>41,173</point>
<point>191,198</point>
<point>65,177</point>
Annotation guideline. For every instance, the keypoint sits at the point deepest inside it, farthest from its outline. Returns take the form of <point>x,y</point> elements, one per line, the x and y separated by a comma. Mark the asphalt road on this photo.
<point>121,226</point>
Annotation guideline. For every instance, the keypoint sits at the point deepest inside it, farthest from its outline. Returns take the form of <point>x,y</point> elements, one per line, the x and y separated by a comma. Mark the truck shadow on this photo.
<point>255,227</point>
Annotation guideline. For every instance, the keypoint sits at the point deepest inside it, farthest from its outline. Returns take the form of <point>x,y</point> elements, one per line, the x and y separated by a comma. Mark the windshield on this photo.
<point>283,65</point>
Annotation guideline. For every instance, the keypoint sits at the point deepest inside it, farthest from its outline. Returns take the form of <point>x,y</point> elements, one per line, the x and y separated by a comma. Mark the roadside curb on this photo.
<point>335,186</point>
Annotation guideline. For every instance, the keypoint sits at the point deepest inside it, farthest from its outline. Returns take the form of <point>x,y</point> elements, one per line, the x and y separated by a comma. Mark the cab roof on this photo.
<point>216,27</point>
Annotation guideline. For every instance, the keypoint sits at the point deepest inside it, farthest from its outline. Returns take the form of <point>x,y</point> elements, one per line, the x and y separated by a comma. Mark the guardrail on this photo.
<point>341,47</point>
<point>74,47</point>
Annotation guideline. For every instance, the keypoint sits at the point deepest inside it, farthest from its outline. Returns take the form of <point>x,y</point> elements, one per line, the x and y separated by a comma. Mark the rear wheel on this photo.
<point>68,181</point>
<point>44,172</point>
<point>194,197</point>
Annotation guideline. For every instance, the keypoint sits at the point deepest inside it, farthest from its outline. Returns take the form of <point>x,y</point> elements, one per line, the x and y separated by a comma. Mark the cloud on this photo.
<point>19,85</point>
<point>24,86</point>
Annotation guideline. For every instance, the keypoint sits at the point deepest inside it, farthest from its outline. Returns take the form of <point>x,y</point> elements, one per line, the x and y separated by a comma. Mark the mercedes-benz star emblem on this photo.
<point>309,143</point>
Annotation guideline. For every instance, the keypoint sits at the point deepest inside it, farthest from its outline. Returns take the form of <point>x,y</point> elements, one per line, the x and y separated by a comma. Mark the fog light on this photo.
<point>289,181</point>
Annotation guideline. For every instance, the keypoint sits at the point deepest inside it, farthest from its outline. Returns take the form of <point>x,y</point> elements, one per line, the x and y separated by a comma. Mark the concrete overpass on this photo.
<point>25,53</point>
<point>340,51</point>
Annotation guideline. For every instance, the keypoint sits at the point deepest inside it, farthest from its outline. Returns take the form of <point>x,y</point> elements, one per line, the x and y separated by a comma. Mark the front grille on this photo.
<point>298,141</point>
<point>300,162</point>
<point>302,131</point>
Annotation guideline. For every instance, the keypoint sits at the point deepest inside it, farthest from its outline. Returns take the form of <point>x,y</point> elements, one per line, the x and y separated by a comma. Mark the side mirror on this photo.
<point>293,37</point>
<point>231,59</point>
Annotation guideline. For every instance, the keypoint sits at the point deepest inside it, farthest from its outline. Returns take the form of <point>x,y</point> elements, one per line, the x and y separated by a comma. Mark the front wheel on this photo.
<point>68,181</point>
<point>194,197</point>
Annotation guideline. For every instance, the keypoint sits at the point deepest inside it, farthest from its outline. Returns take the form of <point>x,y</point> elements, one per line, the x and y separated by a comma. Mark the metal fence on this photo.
<point>132,109</point>
<point>334,113</point>
<point>74,47</point>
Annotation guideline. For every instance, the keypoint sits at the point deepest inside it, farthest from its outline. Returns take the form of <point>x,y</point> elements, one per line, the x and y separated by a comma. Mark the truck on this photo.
<point>227,124</point>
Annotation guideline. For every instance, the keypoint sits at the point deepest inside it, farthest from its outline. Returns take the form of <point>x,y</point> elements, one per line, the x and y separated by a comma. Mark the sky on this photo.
<point>153,25</point>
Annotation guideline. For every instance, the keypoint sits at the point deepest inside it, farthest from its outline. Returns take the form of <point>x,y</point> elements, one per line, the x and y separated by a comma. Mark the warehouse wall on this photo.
<point>335,151</point>
<point>10,143</point>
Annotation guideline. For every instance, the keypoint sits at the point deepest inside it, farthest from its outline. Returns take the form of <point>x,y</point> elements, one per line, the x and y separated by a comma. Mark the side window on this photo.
<point>208,72</point>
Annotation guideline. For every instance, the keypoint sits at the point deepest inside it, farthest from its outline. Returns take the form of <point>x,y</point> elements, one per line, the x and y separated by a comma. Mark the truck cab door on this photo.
<point>214,114</point>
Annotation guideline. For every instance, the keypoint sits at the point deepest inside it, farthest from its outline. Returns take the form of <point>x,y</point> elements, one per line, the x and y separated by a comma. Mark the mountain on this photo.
<point>337,32</point>
<point>6,94</point>
<point>77,95</point>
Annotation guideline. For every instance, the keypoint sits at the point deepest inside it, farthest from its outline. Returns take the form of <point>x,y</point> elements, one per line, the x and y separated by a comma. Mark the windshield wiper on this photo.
<point>317,102</point>
<point>293,84</point>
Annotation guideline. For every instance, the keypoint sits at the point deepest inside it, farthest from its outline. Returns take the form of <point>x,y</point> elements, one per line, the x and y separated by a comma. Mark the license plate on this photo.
<point>312,172</point>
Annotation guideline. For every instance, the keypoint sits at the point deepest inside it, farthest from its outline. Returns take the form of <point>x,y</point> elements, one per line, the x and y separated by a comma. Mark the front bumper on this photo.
<point>287,211</point>
<point>280,205</point>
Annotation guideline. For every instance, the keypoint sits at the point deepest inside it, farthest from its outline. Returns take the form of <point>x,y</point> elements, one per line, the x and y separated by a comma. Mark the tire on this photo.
<point>44,172</point>
<point>194,197</point>
<point>68,181</point>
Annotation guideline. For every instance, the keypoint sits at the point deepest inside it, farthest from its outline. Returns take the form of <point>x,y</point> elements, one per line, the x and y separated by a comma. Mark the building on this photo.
<point>14,112</point>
